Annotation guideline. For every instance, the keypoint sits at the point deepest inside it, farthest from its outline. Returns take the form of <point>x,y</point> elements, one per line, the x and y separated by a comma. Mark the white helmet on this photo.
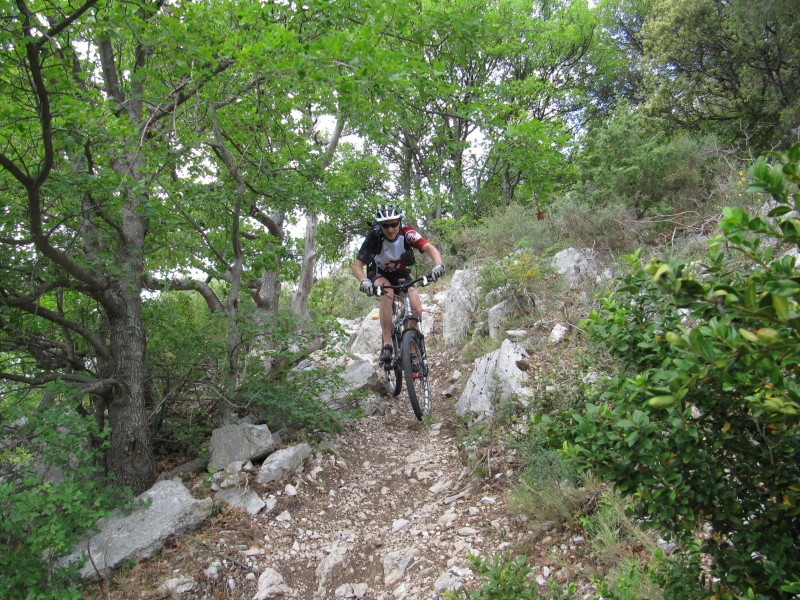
<point>388,213</point>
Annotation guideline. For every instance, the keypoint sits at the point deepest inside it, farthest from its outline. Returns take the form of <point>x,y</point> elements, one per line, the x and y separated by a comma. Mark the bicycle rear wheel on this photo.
<point>393,372</point>
<point>415,370</point>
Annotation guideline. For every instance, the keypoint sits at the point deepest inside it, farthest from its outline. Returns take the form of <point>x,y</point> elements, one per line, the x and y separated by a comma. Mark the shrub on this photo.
<point>630,158</point>
<point>509,229</point>
<point>294,403</point>
<point>338,295</point>
<point>519,273</point>
<point>41,515</point>
<point>509,580</point>
<point>702,430</point>
<point>276,390</point>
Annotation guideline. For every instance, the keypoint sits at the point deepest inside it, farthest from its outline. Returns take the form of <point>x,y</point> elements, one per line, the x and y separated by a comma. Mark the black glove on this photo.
<point>366,287</point>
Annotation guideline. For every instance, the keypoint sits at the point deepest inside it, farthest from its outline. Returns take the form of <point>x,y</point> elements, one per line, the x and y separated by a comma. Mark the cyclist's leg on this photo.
<point>385,310</point>
<point>416,305</point>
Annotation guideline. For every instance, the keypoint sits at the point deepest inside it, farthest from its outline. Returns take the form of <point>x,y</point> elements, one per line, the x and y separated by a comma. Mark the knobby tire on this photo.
<point>393,372</point>
<point>416,376</point>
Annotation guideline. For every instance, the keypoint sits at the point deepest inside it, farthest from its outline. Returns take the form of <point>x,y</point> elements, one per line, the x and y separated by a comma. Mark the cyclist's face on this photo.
<point>391,229</point>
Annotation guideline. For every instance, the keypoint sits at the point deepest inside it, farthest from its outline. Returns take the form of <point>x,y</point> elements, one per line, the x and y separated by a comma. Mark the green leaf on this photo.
<point>768,336</point>
<point>662,270</point>
<point>748,335</point>
<point>662,401</point>
<point>781,306</point>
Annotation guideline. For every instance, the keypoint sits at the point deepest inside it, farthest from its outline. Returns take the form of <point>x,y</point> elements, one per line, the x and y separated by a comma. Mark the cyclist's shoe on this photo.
<point>386,355</point>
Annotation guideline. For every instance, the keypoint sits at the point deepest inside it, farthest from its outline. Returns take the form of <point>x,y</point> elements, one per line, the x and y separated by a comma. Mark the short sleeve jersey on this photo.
<point>388,255</point>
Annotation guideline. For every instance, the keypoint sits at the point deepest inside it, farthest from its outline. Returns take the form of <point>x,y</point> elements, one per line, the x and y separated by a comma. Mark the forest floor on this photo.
<point>389,508</point>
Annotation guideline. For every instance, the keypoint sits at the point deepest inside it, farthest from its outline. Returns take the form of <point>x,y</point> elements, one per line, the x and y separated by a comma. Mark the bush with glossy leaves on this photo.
<point>700,429</point>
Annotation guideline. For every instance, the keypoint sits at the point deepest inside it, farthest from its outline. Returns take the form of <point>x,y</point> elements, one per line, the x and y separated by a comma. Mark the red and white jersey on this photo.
<point>388,255</point>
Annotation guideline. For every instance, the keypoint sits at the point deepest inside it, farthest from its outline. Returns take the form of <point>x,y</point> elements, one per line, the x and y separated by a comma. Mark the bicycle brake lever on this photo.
<point>379,290</point>
<point>425,281</point>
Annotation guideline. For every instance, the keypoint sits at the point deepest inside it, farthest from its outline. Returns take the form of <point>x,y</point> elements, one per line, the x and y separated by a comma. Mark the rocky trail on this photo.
<point>390,512</point>
<point>390,507</point>
<point>387,509</point>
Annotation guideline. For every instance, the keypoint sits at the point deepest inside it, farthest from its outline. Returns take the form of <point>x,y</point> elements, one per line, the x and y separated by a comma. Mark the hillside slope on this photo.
<point>389,508</point>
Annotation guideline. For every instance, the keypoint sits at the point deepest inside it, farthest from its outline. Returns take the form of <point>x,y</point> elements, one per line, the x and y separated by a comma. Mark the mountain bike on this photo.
<point>409,356</point>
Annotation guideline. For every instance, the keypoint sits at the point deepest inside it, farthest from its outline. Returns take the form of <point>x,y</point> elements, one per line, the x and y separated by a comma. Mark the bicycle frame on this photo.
<point>402,314</point>
<point>410,358</point>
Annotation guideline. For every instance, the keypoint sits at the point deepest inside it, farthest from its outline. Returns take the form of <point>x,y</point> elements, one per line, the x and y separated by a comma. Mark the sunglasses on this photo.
<point>390,225</point>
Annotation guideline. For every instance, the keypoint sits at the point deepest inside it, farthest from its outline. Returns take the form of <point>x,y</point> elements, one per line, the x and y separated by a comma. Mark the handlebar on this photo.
<point>426,280</point>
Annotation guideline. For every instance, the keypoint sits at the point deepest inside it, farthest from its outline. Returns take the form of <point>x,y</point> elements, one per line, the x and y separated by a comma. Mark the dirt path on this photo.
<point>390,512</point>
<point>386,509</point>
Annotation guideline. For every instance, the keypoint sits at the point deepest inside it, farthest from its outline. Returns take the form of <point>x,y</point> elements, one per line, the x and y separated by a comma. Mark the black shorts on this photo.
<point>394,278</point>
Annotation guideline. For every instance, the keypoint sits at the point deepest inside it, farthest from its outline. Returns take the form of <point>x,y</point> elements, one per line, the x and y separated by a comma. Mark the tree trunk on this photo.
<point>131,452</point>
<point>268,291</point>
<point>300,298</point>
<point>234,338</point>
<point>130,455</point>
<point>508,189</point>
<point>406,168</point>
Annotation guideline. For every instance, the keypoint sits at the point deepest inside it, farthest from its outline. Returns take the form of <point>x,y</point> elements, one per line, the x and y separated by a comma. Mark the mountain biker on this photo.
<point>387,253</point>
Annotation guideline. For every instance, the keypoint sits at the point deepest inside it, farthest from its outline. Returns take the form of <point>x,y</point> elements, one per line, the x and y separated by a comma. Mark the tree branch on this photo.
<point>31,306</point>
<point>186,285</point>
<point>56,29</point>
<point>86,385</point>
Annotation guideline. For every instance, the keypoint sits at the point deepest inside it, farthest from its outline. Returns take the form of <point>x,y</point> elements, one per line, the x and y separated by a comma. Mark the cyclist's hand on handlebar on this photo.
<point>366,287</point>
<point>438,272</point>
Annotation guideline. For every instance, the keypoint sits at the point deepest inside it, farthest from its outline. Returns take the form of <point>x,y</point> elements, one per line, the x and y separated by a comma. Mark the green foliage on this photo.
<point>450,233</point>
<point>51,492</point>
<point>611,533</point>
<point>518,273</point>
<point>282,395</point>
<point>510,580</point>
<point>505,231</point>
<point>680,574</point>
<point>513,580</point>
<point>295,404</point>
<point>716,67</point>
<point>702,429</point>
<point>548,490</point>
<point>631,160</point>
<point>188,360</point>
<point>337,295</point>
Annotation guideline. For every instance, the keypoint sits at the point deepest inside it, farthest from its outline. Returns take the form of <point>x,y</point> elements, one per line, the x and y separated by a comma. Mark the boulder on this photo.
<point>497,314</point>
<point>367,342</point>
<point>241,497</point>
<point>169,511</point>
<point>282,463</point>
<point>359,375</point>
<point>460,306</point>
<point>558,333</point>
<point>243,442</point>
<point>579,265</point>
<point>495,377</point>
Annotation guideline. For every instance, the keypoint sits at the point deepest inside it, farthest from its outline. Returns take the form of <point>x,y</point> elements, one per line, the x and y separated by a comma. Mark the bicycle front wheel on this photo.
<point>393,371</point>
<point>415,371</point>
